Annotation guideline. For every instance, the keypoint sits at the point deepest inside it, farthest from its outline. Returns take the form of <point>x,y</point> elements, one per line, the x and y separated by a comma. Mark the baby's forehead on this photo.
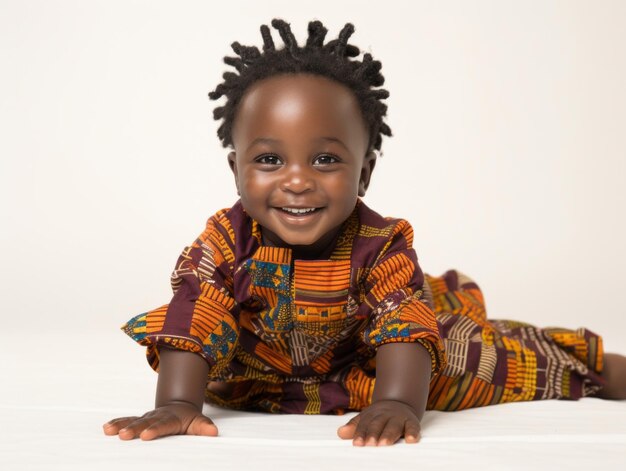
<point>283,89</point>
<point>299,103</point>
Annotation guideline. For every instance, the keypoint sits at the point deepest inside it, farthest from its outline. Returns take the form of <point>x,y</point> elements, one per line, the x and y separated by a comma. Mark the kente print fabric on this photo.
<point>300,336</point>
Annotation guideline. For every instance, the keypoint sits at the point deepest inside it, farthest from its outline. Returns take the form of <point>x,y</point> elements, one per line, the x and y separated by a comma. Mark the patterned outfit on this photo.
<point>300,336</point>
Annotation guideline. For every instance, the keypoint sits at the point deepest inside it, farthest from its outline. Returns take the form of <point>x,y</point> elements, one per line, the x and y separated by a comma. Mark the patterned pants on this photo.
<point>493,361</point>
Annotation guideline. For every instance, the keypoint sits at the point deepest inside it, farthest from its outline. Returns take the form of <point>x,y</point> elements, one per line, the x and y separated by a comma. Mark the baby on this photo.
<point>301,299</point>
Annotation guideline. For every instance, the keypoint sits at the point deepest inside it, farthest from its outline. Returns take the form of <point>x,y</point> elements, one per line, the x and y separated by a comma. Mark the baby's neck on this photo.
<point>320,250</point>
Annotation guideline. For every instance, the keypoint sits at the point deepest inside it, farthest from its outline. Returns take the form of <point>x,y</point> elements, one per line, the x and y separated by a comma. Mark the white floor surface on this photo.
<point>58,389</point>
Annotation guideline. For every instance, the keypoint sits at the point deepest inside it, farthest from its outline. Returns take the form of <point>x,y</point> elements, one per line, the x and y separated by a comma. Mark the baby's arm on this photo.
<point>178,405</point>
<point>399,399</point>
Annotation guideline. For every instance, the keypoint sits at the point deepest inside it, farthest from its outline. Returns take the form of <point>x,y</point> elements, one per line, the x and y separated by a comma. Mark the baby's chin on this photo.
<point>305,243</point>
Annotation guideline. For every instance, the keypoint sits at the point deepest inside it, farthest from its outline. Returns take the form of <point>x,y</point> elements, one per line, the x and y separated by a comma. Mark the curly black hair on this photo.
<point>330,60</point>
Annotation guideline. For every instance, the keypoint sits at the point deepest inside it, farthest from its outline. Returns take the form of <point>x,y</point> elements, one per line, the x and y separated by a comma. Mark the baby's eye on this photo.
<point>325,160</point>
<point>269,159</point>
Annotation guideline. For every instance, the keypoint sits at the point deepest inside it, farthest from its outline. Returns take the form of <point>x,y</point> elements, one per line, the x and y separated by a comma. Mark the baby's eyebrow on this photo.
<point>333,139</point>
<point>264,140</point>
<point>270,140</point>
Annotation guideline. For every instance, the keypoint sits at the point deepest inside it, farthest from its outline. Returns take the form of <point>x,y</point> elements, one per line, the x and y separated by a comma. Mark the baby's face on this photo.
<point>300,159</point>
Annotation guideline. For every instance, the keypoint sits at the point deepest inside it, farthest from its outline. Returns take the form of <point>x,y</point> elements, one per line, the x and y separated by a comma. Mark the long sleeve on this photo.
<point>199,316</point>
<point>397,303</point>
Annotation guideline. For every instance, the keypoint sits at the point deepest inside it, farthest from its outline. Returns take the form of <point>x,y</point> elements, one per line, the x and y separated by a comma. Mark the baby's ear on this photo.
<point>232,163</point>
<point>369,162</point>
<point>232,158</point>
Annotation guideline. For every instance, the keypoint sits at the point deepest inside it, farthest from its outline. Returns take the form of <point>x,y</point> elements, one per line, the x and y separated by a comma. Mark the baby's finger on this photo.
<point>134,429</point>
<point>346,431</point>
<point>392,432</point>
<point>368,431</point>
<point>412,431</point>
<point>170,425</point>
<point>113,426</point>
<point>202,425</point>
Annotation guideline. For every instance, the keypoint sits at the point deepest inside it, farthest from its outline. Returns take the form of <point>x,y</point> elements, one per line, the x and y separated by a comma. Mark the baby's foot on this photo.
<point>614,372</point>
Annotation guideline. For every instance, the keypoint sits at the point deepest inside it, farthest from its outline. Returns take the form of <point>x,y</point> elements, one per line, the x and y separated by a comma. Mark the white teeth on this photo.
<point>298,210</point>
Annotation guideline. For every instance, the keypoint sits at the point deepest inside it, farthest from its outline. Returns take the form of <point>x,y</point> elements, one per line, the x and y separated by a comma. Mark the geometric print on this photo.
<point>507,360</point>
<point>300,336</point>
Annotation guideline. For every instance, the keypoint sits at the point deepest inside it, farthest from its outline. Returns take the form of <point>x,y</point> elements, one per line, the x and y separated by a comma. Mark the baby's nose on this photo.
<point>298,180</point>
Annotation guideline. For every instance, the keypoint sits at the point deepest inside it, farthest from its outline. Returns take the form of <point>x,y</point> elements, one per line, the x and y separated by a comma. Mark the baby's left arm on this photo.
<point>399,399</point>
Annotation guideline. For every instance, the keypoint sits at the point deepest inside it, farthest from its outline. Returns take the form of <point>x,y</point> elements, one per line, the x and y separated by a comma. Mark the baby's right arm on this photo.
<point>178,405</point>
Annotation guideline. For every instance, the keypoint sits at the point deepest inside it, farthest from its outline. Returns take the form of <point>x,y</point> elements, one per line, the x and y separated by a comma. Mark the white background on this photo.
<point>508,154</point>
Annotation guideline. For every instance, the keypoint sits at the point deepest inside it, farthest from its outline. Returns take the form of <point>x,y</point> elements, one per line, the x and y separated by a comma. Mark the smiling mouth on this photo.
<point>298,212</point>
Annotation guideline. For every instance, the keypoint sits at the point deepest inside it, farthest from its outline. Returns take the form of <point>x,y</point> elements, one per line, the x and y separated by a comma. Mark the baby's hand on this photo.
<point>382,423</point>
<point>172,419</point>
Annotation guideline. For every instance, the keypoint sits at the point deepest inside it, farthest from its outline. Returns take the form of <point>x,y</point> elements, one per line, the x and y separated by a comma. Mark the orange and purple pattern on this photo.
<point>300,336</point>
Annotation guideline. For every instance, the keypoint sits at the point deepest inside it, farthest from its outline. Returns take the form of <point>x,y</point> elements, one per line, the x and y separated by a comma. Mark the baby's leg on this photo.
<point>615,374</point>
